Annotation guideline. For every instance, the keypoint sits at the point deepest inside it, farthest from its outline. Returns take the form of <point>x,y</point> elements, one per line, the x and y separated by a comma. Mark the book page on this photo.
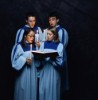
<point>45,51</point>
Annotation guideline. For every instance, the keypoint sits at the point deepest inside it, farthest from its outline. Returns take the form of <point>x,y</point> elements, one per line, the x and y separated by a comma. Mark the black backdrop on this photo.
<point>79,17</point>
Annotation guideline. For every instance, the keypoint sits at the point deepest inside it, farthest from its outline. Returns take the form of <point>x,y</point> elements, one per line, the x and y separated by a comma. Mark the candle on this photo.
<point>44,37</point>
<point>30,51</point>
<point>37,36</point>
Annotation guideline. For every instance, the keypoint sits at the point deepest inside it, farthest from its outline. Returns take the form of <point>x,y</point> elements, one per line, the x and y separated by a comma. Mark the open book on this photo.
<point>45,53</point>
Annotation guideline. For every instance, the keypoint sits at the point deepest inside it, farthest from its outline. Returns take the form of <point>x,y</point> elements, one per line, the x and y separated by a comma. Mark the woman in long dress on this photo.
<point>23,61</point>
<point>49,84</point>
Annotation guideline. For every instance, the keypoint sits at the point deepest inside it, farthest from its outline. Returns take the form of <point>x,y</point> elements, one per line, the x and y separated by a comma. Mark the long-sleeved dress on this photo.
<point>26,81</point>
<point>49,84</point>
<point>63,37</point>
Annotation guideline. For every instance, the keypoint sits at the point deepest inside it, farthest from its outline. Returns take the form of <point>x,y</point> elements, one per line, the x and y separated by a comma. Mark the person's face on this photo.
<point>30,37</point>
<point>31,21</point>
<point>53,21</point>
<point>50,35</point>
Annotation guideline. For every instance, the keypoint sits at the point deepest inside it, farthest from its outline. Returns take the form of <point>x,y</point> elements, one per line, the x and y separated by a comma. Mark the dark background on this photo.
<point>79,17</point>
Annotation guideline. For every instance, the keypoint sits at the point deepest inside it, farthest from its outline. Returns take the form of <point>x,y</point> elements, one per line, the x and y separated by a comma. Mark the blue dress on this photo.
<point>63,37</point>
<point>49,85</point>
<point>26,81</point>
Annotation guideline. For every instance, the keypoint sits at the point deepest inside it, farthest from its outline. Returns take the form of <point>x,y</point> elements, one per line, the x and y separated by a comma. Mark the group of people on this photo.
<point>40,78</point>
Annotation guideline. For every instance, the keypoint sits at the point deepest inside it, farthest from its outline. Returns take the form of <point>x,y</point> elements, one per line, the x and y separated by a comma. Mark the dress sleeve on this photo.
<point>17,58</point>
<point>66,37</point>
<point>58,62</point>
<point>63,36</point>
<point>19,35</point>
<point>40,34</point>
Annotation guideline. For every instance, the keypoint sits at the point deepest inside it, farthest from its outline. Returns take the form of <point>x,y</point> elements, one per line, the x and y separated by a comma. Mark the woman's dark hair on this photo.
<point>26,32</point>
<point>56,36</point>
